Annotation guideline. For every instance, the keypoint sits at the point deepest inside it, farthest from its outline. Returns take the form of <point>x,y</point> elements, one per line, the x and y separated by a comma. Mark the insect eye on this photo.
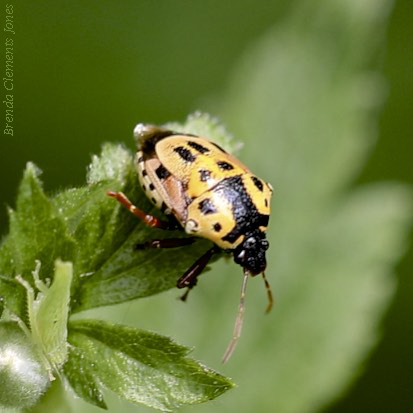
<point>265,244</point>
<point>250,242</point>
<point>241,255</point>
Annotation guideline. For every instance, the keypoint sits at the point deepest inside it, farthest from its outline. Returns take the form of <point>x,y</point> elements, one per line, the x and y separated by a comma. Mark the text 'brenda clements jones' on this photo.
<point>8,76</point>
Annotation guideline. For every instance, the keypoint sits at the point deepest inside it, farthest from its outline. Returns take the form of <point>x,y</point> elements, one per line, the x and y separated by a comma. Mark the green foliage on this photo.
<point>23,378</point>
<point>141,367</point>
<point>35,226</point>
<point>55,400</point>
<point>48,311</point>
<point>97,235</point>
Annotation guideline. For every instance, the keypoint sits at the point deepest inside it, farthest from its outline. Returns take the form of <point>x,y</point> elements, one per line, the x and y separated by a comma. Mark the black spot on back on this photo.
<point>204,175</point>
<point>163,207</point>
<point>225,166</point>
<point>197,147</point>
<point>162,172</point>
<point>217,227</point>
<point>207,207</point>
<point>144,173</point>
<point>257,183</point>
<point>185,154</point>
<point>153,200</point>
<point>151,186</point>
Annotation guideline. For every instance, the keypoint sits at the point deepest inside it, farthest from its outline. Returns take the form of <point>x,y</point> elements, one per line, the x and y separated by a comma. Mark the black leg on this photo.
<point>184,296</point>
<point>165,243</point>
<point>189,279</point>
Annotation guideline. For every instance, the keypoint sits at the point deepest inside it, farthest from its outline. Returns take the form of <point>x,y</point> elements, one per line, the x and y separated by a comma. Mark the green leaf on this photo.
<point>37,230</point>
<point>54,400</point>
<point>6,258</point>
<point>23,378</point>
<point>139,366</point>
<point>48,310</point>
<point>13,297</point>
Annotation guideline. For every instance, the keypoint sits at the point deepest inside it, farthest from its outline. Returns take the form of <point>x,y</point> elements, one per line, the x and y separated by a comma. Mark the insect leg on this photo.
<point>189,279</point>
<point>269,293</point>
<point>165,243</point>
<point>149,220</point>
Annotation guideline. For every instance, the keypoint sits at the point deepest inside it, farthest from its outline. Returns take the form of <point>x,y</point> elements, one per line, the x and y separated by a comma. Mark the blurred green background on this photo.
<point>87,72</point>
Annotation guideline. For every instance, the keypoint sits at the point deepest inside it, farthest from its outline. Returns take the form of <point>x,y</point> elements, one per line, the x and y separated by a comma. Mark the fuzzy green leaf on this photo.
<point>13,297</point>
<point>54,400</point>
<point>6,258</point>
<point>48,310</point>
<point>37,230</point>
<point>139,366</point>
<point>23,377</point>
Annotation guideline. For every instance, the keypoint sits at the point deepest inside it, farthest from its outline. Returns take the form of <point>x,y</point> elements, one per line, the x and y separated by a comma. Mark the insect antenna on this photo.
<point>269,293</point>
<point>239,320</point>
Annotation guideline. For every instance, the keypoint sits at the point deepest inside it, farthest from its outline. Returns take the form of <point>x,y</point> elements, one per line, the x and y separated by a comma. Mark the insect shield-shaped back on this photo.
<point>208,193</point>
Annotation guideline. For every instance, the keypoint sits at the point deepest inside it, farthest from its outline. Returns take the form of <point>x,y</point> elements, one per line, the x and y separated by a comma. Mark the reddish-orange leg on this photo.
<point>149,220</point>
<point>189,279</point>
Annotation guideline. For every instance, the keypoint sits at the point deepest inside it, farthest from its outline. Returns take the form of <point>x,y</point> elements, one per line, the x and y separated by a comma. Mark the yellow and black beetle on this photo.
<point>210,194</point>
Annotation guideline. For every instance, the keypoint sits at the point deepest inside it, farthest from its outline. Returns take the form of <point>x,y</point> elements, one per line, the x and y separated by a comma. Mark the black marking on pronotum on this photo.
<point>245,212</point>
<point>151,186</point>
<point>263,220</point>
<point>257,183</point>
<point>204,175</point>
<point>197,147</point>
<point>185,154</point>
<point>225,166</point>
<point>217,146</point>
<point>152,135</point>
<point>162,172</point>
<point>217,227</point>
<point>266,202</point>
<point>207,207</point>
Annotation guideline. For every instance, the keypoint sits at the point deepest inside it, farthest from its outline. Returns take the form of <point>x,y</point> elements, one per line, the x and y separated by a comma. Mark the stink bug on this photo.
<point>208,193</point>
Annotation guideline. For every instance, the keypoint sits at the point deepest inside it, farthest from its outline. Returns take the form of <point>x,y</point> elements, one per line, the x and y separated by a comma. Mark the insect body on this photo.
<point>210,194</point>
